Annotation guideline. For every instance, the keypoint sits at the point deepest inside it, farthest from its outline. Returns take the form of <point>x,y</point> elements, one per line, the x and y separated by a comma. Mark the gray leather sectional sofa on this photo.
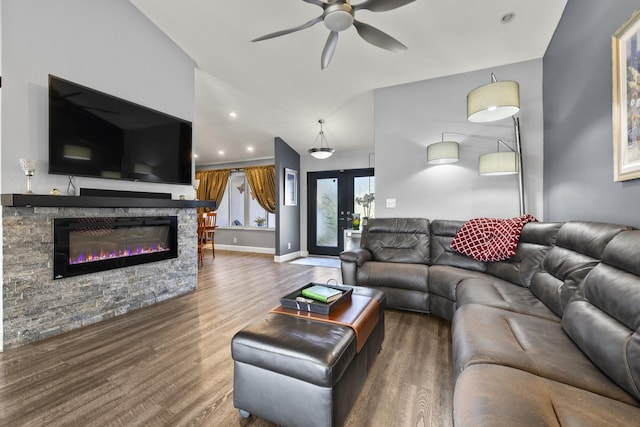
<point>550,337</point>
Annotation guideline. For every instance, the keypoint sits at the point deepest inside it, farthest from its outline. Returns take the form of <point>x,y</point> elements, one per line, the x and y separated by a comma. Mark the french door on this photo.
<point>332,200</point>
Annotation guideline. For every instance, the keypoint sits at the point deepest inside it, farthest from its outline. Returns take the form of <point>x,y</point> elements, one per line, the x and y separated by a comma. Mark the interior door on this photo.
<point>330,207</point>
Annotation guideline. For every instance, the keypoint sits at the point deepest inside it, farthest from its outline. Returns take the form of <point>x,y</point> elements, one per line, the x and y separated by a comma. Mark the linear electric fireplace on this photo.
<point>89,245</point>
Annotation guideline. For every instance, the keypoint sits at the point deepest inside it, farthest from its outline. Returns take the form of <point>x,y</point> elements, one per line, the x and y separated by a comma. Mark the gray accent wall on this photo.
<point>287,217</point>
<point>578,148</point>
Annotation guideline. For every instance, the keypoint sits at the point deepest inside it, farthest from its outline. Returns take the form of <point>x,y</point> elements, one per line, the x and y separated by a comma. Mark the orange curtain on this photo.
<point>262,181</point>
<point>212,184</point>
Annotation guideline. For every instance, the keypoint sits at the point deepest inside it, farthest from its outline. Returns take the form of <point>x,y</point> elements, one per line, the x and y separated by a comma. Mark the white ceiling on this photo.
<point>276,86</point>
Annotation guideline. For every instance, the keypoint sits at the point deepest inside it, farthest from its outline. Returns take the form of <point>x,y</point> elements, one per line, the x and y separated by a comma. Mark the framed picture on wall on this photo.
<point>625,45</point>
<point>290,187</point>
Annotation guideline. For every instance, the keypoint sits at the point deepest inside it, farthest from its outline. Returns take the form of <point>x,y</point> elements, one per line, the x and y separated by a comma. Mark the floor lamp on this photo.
<point>496,101</point>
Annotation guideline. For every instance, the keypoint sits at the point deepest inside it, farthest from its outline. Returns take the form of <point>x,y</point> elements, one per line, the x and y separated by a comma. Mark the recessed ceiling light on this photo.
<point>221,152</point>
<point>508,17</point>
<point>233,115</point>
<point>249,148</point>
<point>195,156</point>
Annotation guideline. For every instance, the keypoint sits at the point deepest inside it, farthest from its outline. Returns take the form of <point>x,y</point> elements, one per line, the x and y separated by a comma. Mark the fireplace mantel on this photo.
<point>49,201</point>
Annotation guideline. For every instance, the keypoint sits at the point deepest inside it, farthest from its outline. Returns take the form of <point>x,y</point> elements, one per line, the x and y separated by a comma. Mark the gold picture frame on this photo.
<point>625,47</point>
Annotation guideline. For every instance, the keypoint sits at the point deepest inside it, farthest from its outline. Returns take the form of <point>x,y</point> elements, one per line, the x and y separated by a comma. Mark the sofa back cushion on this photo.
<point>579,247</point>
<point>442,233</point>
<point>603,318</point>
<point>536,239</point>
<point>398,240</point>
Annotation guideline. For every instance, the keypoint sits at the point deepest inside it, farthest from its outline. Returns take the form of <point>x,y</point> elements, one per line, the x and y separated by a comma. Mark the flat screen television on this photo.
<point>94,134</point>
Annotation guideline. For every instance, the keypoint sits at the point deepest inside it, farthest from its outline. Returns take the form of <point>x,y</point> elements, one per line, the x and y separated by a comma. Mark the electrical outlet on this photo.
<point>235,240</point>
<point>288,245</point>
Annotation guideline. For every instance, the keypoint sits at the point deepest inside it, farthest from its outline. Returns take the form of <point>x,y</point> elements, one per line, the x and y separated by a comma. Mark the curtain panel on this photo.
<point>213,184</point>
<point>262,181</point>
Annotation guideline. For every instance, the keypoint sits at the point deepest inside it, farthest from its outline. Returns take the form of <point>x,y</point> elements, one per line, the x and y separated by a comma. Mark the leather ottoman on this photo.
<point>297,371</point>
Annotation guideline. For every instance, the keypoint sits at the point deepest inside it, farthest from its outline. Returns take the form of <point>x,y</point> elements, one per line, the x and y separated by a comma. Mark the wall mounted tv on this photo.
<point>98,135</point>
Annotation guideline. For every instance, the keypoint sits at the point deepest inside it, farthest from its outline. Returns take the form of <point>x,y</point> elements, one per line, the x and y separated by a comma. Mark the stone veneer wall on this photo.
<point>37,307</point>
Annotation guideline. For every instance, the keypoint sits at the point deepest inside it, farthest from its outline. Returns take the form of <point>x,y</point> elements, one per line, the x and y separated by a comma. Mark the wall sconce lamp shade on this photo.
<point>493,101</point>
<point>499,163</point>
<point>441,153</point>
<point>323,151</point>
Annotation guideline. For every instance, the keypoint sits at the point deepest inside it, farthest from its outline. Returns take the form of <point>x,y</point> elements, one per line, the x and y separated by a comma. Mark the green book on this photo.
<point>321,293</point>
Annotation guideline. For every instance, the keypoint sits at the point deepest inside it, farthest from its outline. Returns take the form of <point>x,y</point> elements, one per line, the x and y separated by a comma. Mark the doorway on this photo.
<point>334,198</point>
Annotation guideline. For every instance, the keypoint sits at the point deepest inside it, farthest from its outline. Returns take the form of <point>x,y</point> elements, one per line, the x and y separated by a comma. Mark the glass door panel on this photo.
<point>364,196</point>
<point>327,212</point>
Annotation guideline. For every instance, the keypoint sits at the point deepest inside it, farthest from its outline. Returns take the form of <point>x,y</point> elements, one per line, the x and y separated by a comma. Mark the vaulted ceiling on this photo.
<point>276,87</point>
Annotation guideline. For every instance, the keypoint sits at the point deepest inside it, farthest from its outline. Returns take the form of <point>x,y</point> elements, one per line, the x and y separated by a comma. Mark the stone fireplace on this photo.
<point>37,306</point>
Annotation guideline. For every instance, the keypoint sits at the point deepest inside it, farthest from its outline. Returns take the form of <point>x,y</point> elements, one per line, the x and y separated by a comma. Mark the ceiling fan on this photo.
<point>338,15</point>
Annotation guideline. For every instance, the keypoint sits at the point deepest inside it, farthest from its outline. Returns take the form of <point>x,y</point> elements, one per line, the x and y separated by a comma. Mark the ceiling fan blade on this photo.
<point>381,5</point>
<point>378,38</point>
<point>316,2</point>
<point>290,30</point>
<point>329,48</point>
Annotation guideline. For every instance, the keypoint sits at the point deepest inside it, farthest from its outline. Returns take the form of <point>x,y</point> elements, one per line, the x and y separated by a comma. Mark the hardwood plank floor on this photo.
<point>170,364</point>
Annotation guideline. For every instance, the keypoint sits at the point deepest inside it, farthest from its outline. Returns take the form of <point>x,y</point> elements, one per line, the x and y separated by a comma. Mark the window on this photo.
<point>364,196</point>
<point>239,209</point>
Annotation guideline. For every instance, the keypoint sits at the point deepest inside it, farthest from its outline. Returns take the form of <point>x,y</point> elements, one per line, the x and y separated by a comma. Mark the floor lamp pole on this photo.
<point>516,126</point>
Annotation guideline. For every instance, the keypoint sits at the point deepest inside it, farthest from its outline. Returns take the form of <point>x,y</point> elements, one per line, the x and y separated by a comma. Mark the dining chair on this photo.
<point>210,234</point>
<point>202,237</point>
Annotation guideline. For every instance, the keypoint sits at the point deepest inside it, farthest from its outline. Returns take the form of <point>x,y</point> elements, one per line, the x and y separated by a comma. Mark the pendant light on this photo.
<point>323,151</point>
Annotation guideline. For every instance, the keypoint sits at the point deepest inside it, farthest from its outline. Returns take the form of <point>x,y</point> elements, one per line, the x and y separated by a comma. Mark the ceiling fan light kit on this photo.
<point>339,15</point>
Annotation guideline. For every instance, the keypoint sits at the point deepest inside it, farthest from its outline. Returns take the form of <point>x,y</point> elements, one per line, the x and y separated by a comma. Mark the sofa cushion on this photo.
<point>394,275</point>
<point>488,335</point>
<point>502,294</point>
<point>442,233</point>
<point>579,247</point>
<point>603,318</point>
<point>444,279</point>
<point>536,239</point>
<point>400,240</point>
<point>490,239</point>
<point>497,396</point>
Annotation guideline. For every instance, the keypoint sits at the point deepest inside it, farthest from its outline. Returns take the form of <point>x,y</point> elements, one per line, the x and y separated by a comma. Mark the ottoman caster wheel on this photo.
<point>244,414</point>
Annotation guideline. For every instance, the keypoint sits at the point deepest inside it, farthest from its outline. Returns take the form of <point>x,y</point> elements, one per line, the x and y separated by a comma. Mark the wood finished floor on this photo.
<point>170,364</point>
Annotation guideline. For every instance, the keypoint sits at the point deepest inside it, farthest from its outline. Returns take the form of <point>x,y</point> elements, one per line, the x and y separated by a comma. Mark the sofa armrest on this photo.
<point>351,260</point>
<point>358,255</point>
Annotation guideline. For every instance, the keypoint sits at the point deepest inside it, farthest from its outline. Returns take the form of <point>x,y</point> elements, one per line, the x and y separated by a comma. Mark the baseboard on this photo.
<point>287,257</point>
<point>253,249</point>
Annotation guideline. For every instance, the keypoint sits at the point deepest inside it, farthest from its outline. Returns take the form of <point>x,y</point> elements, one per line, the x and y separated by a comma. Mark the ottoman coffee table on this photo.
<point>296,368</point>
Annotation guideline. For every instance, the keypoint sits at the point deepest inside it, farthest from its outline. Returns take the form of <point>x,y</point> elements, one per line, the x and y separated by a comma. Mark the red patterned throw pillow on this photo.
<point>490,239</point>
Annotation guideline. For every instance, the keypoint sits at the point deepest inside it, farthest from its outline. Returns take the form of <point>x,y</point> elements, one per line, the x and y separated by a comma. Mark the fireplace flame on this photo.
<point>121,253</point>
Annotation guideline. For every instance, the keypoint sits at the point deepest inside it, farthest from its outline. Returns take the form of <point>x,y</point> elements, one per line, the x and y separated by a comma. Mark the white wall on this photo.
<point>106,45</point>
<point>1,246</point>
<point>409,117</point>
